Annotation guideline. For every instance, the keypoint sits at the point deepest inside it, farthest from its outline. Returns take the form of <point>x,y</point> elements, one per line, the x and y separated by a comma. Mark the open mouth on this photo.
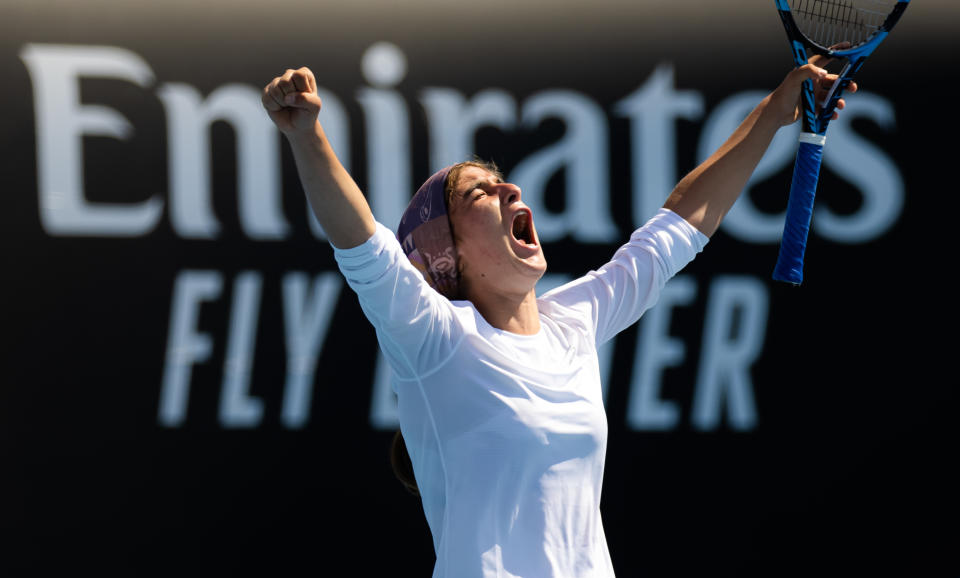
<point>523,228</point>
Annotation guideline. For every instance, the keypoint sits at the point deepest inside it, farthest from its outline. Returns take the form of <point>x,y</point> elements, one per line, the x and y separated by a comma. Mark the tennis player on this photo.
<point>499,392</point>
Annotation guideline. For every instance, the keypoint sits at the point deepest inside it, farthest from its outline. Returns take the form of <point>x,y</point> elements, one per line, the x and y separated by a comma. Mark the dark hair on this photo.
<point>454,175</point>
<point>399,457</point>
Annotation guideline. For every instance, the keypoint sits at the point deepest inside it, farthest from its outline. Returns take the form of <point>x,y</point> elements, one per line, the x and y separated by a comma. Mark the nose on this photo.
<point>509,193</point>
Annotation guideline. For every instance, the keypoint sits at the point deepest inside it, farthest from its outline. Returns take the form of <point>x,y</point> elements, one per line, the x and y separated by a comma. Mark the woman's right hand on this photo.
<point>292,102</point>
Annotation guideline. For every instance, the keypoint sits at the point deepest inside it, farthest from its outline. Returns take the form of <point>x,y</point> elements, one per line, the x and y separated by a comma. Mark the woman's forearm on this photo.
<point>292,102</point>
<point>704,196</point>
<point>334,197</point>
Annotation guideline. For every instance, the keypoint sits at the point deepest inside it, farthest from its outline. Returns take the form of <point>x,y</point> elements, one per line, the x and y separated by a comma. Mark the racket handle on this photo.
<point>806,172</point>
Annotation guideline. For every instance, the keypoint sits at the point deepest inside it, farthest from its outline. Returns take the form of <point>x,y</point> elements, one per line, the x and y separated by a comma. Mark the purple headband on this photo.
<point>426,237</point>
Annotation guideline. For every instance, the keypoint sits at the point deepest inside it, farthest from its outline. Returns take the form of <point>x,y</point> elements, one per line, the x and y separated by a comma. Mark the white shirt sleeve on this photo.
<point>616,295</point>
<point>415,325</point>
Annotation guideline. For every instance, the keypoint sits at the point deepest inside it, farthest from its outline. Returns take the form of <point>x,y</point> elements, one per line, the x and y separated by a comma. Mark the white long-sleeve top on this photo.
<point>507,433</point>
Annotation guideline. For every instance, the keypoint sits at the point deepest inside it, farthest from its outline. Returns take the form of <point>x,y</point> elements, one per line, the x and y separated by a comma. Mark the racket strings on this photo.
<point>831,22</point>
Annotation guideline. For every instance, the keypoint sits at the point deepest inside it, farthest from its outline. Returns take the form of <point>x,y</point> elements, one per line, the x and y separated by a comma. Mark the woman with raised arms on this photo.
<point>499,391</point>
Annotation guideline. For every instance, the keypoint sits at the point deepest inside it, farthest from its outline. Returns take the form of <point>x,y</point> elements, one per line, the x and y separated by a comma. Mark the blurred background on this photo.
<point>187,384</point>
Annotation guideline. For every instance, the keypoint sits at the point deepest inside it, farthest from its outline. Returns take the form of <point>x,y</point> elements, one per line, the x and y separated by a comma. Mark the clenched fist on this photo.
<point>291,101</point>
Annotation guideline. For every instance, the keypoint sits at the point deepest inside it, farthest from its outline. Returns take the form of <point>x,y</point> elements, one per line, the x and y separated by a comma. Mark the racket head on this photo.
<point>847,31</point>
<point>858,24</point>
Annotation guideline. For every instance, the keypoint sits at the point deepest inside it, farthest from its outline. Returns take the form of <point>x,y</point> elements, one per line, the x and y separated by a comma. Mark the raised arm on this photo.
<point>704,196</point>
<point>292,102</point>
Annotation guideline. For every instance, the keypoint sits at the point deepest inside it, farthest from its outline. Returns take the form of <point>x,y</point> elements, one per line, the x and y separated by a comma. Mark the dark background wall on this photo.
<point>133,267</point>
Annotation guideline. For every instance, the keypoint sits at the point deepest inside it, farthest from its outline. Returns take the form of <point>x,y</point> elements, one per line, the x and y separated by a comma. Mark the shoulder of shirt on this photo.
<point>381,238</point>
<point>567,315</point>
<point>665,219</point>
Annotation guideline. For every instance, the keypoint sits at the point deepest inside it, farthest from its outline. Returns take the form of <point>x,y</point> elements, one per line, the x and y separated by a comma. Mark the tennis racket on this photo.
<point>845,30</point>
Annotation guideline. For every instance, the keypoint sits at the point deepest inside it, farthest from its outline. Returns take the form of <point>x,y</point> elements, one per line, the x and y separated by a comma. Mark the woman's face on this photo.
<point>496,240</point>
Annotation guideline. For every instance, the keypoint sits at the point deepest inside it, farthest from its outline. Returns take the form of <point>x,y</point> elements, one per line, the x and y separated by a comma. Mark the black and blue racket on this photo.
<point>844,30</point>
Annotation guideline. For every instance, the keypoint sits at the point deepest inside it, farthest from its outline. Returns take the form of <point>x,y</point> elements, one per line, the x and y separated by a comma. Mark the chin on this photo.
<point>537,266</point>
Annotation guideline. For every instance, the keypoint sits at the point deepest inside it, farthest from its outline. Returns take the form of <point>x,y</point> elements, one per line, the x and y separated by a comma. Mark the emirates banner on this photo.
<point>188,384</point>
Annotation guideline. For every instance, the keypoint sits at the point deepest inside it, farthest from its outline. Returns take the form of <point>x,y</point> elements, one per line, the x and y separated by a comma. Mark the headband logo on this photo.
<point>426,209</point>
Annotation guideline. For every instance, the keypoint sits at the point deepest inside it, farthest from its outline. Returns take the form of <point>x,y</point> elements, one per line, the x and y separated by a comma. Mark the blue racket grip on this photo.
<point>806,172</point>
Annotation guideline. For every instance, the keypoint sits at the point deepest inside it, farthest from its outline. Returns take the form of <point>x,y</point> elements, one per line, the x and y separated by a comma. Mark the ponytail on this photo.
<point>402,466</point>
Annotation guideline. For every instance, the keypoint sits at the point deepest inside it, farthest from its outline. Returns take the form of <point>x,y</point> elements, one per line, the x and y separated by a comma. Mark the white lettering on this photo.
<point>866,167</point>
<point>185,346</point>
<point>656,350</point>
<point>733,336</point>
<point>870,170</point>
<point>61,124</point>
<point>736,306</point>
<point>653,109</point>
<point>258,161</point>
<point>583,154</point>
<point>453,122</point>
<point>388,142</point>
<point>388,152</point>
<point>238,409</point>
<point>744,221</point>
<point>307,322</point>
<point>383,64</point>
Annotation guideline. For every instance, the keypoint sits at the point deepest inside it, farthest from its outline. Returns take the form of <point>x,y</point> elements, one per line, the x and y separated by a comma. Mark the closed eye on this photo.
<point>478,189</point>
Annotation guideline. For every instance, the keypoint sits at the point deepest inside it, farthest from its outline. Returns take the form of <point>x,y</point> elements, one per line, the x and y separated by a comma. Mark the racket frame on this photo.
<point>814,127</point>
